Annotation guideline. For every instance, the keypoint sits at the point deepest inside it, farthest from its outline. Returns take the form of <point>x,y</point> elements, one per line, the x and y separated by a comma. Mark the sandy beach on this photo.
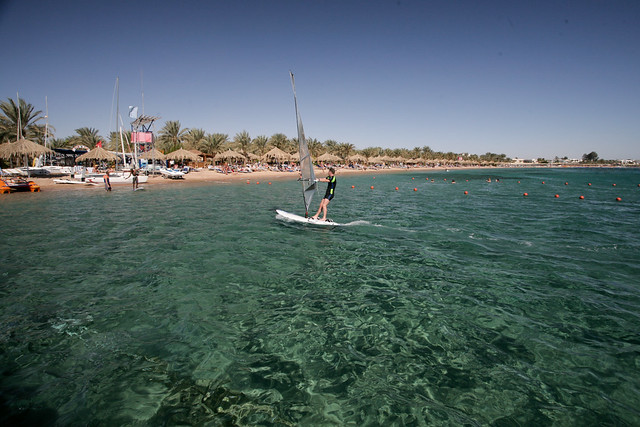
<point>205,176</point>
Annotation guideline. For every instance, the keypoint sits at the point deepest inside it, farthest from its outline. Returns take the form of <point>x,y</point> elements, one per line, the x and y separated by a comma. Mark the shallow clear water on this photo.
<point>195,305</point>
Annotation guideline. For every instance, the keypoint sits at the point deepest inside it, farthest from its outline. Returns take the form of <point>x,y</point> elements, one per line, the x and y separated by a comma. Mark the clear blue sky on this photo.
<point>524,78</point>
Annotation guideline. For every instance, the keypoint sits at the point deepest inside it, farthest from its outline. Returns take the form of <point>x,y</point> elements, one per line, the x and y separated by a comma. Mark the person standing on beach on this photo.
<point>328,195</point>
<point>134,180</point>
<point>107,182</point>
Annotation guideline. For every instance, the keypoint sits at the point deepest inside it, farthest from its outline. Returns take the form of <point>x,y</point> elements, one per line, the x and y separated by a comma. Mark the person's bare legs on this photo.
<point>325,203</point>
<point>322,208</point>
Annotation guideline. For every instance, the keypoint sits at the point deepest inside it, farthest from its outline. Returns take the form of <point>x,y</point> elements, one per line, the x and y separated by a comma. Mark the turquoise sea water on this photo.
<point>194,305</point>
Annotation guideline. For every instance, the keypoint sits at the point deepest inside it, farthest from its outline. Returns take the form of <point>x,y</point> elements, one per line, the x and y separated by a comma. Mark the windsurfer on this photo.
<point>328,195</point>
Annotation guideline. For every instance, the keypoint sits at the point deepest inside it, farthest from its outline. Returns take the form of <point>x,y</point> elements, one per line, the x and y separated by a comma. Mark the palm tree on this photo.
<point>345,149</point>
<point>371,152</point>
<point>315,147</point>
<point>415,153</point>
<point>24,118</point>
<point>331,145</point>
<point>261,143</point>
<point>194,138</point>
<point>428,153</point>
<point>114,143</point>
<point>243,140</point>
<point>59,143</point>
<point>213,143</point>
<point>171,136</point>
<point>86,136</point>
<point>280,141</point>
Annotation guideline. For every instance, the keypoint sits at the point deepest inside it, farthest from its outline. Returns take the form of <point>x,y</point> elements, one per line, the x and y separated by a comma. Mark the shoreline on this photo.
<point>209,176</point>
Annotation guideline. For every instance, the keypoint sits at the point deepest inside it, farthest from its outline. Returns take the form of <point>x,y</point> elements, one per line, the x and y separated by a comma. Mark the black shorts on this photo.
<point>328,196</point>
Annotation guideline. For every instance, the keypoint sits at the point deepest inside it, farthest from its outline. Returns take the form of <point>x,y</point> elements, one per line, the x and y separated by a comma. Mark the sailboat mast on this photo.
<point>142,90</point>
<point>124,156</point>
<point>46,131</point>
<point>117,88</point>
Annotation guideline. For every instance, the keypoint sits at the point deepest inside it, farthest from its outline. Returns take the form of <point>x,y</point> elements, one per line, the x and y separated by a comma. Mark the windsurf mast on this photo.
<point>308,177</point>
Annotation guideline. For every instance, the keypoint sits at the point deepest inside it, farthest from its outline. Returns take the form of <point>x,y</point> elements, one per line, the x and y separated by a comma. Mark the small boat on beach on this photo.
<point>172,174</point>
<point>73,181</point>
<point>8,185</point>
<point>115,178</point>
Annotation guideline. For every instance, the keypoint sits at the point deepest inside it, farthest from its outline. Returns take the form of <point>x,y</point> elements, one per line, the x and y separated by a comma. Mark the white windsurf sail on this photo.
<point>308,179</point>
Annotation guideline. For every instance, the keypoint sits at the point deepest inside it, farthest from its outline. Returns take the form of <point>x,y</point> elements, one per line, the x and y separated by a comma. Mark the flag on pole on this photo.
<point>133,112</point>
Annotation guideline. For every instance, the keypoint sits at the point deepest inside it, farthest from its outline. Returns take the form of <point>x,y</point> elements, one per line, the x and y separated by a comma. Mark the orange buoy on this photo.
<point>614,185</point>
<point>518,182</point>
<point>557,196</point>
<point>269,182</point>
<point>372,187</point>
<point>466,192</point>
<point>257,182</point>
<point>412,178</point>
<point>618,199</point>
<point>581,197</point>
<point>589,184</point>
<point>396,188</point>
<point>525,194</point>
<point>415,189</point>
<point>543,182</point>
<point>248,182</point>
<point>353,186</point>
<point>566,183</point>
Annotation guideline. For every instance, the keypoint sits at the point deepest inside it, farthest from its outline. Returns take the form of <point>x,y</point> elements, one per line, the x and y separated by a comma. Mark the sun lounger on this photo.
<point>13,172</point>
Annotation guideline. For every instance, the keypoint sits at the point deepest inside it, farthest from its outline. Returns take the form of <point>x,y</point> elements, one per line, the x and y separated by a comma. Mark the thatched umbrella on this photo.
<point>153,154</point>
<point>97,153</point>
<point>357,158</point>
<point>328,157</point>
<point>277,154</point>
<point>23,147</point>
<point>4,148</point>
<point>228,155</point>
<point>182,154</point>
